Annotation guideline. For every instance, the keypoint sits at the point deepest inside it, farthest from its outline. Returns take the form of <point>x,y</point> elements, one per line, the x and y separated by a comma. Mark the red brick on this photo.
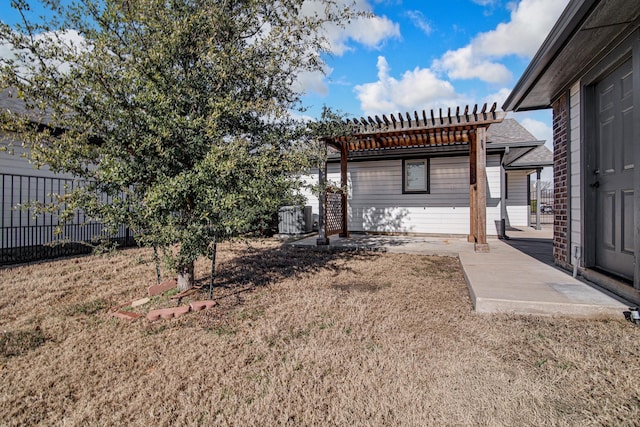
<point>201,305</point>
<point>560,180</point>
<point>126,315</point>
<point>168,313</point>
<point>162,287</point>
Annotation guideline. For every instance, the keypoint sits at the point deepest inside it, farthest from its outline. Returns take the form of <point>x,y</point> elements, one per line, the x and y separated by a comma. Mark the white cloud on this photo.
<point>498,97</point>
<point>418,19</point>
<point>486,2</point>
<point>370,31</point>
<point>464,63</point>
<point>540,130</point>
<point>312,81</point>
<point>6,51</point>
<point>416,90</point>
<point>71,39</point>
<point>530,22</point>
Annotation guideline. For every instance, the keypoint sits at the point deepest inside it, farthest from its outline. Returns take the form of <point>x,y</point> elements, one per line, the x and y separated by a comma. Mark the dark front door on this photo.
<point>612,178</point>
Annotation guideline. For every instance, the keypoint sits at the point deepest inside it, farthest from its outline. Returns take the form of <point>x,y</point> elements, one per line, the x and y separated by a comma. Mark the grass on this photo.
<point>86,308</point>
<point>300,338</point>
<point>18,343</point>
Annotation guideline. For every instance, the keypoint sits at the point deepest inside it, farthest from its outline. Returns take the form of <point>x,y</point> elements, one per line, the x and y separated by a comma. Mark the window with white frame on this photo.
<point>415,176</point>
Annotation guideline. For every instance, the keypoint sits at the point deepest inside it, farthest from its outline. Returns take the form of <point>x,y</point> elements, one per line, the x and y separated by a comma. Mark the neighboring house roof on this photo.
<point>522,149</point>
<point>528,158</point>
<point>509,132</point>
<point>574,46</point>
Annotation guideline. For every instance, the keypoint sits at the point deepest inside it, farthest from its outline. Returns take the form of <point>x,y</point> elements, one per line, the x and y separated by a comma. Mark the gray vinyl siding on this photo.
<point>14,160</point>
<point>517,215</point>
<point>311,199</point>
<point>575,169</point>
<point>376,202</point>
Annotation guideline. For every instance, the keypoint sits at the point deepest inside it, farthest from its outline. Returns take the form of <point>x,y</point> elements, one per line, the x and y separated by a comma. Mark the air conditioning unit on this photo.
<point>295,219</point>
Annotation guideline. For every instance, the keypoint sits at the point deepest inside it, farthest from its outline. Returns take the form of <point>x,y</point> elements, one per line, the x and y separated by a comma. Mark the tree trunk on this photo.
<point>185,277</point>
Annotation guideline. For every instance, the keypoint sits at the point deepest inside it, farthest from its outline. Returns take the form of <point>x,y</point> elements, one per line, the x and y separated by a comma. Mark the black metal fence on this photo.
<point>27,237</point>
<point>546,206</point>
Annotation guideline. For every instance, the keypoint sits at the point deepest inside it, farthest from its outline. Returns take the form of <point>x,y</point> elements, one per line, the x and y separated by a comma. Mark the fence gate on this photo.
<point>333,211</point>
<point>546,206</point>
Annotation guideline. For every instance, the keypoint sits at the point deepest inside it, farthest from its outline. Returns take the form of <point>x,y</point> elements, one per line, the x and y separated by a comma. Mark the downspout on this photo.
<point>577,255</point>
<point>502,233</point>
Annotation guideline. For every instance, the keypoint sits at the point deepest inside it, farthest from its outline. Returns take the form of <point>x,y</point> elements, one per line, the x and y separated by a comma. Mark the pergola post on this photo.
<point>343,184</point>
<point>481,190</point>
<point>472,189</point>
<point>322,197</point>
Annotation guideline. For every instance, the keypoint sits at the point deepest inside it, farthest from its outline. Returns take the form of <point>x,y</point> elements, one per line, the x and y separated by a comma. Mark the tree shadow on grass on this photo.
<point>251,268</point>
<point>263,266</point>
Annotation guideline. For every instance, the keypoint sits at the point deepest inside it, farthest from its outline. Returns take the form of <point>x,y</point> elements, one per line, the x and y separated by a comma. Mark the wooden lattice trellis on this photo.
<point>333,211</point>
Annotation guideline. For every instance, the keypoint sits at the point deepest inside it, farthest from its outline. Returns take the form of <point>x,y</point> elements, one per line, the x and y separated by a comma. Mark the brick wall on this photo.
<point>561,182</point>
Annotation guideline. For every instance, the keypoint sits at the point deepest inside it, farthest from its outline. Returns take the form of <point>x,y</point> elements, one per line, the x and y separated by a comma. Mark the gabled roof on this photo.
<point>582,36</point>
<point>528,158</point>
<point>524,151</point>
<point>510,131</point>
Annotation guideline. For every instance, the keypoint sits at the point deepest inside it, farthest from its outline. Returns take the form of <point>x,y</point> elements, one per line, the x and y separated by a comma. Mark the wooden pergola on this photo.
<point>468,127</point>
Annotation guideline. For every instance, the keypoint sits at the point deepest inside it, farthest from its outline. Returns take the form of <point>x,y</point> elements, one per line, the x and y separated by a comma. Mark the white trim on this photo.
<point>575,169</point>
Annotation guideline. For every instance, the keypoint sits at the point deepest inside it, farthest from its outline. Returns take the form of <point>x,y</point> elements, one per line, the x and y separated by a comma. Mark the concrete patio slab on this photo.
<point>508,281</point>
<point>504,280</point>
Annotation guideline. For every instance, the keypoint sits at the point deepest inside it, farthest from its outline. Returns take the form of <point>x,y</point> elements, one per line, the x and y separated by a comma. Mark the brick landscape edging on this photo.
<point>168,313</point>
<point>161,313</point>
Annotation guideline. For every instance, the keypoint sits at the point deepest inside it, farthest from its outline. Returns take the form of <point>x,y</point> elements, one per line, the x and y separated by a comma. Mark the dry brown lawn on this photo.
<point>300,338</point>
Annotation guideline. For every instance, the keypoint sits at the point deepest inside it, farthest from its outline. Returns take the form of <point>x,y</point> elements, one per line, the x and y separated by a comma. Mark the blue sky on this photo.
<point>416,55</point>
<point>422,54</point>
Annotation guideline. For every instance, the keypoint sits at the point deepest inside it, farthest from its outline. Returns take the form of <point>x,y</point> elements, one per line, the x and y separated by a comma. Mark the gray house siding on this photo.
<point>377,203</point>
